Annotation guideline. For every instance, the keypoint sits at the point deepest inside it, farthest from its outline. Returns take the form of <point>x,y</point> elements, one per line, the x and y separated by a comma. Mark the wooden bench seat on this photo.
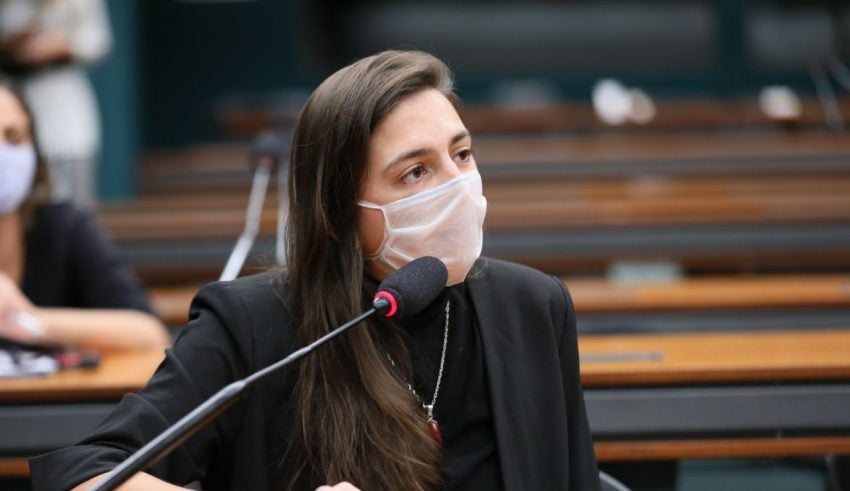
<point>216,168</point>
<point>542,203</point>
<point>782,292</point>
<point>671,115</point>
<point>482,118</point>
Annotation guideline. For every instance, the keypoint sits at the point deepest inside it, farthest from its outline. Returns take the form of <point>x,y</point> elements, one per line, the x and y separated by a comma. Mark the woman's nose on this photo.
<point>449,168</point>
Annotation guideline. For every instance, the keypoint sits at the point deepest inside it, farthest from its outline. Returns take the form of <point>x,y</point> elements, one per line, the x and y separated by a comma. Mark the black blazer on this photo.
<point>529,341</point>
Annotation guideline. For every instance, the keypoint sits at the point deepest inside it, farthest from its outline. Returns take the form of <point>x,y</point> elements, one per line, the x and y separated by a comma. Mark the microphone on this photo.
<point>403,293</point>
<point>411,288</point>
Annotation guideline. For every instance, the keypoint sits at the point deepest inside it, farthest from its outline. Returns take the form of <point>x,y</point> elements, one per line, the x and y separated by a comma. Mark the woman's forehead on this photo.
<point>417,120</point>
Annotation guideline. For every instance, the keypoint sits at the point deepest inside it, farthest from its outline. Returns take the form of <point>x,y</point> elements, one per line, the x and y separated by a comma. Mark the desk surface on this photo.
<point>701,358</point>
<point>118,373</point>
<point>633,360</point>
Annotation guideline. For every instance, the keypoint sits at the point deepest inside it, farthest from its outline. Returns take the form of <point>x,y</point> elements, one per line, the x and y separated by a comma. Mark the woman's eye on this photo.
<point>413,175</point>
<point>464,155</point>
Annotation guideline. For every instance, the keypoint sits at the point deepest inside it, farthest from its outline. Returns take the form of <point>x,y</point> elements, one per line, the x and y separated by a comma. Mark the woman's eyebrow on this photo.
<point>419,152</point>
<point>460,136</point>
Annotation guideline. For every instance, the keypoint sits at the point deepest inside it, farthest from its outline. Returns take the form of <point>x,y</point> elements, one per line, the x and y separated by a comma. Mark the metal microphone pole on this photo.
<point>265,154</point>
<point>260,184</point>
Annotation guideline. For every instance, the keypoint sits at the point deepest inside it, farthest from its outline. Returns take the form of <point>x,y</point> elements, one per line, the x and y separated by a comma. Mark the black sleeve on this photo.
<point>584,473</point>
<point>213,350</point>
<point>99,277</point>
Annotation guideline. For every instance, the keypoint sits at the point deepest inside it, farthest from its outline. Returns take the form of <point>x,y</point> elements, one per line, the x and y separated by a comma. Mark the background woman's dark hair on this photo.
<point>40,192</point>
<point>356,420</point>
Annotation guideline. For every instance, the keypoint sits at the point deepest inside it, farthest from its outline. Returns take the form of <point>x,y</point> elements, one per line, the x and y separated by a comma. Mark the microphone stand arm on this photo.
<point>190,424</point>
<point>253,215</point>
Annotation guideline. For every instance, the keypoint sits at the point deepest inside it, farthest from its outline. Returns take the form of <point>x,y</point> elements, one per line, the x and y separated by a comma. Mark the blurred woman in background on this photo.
<point>61,282</point>
<point>46,46</point>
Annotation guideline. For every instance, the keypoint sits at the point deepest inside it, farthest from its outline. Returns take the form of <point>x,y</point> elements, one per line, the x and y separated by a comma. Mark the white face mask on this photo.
<point>17,171</point>
<point>444,222</point>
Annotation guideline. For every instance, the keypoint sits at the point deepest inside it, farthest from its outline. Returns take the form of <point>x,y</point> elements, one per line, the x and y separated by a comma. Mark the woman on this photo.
<point>47,45</point>
<point>382,171</point>
<point>61,283</point>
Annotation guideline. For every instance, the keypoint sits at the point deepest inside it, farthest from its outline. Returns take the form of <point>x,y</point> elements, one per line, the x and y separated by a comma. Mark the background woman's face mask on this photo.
<point>445,222</point>
<point>17,171</point>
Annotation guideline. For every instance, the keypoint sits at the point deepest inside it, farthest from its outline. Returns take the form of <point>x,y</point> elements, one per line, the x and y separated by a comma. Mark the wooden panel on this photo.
<point>219,167</point>
<point>558,213</point>
<point>518,213</point>
<point>787,291</point>
<point>622,451</point>
<point>603,148</point>
<point>695,358</point>
<point>481,118</point>
<point>671,114</point>
<point>14,467</point>
<point>171,304</point>
<point>563,188</point>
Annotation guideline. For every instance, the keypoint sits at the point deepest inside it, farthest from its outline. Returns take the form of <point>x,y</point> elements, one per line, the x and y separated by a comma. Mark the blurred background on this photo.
<point>683,164</point>
<point>738,100</point>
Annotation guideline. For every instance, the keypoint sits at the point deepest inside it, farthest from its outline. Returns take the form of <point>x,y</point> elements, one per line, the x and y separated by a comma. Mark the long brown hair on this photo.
<point>356,421</point>
<point>40,191</point>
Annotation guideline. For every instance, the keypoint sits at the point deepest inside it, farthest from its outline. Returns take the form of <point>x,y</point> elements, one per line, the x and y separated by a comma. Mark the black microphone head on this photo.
<point>413,286</point>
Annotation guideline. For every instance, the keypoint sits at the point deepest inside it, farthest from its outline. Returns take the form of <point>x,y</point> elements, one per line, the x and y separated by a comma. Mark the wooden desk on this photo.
<point>42,413</point>
<point>649,397</point>
<point>118,373</point>
<point>678,396</point>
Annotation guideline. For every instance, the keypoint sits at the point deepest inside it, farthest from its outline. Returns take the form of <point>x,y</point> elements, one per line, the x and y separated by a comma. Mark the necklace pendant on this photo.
<point>435,430</point>
<point>432,423</point>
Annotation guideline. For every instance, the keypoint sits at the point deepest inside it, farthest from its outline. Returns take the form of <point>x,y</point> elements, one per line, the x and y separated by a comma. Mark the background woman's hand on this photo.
<point>17,314</point>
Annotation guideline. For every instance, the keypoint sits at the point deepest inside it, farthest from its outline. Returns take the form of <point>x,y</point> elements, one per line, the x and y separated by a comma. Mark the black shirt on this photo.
<point>462,410</point>
<point>71,263</point>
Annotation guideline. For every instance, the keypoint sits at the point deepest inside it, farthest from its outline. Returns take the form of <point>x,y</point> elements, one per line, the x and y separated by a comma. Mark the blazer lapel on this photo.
<point>503,346</point>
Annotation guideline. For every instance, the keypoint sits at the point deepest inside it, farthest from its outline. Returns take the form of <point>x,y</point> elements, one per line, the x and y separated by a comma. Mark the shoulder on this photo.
<point>511,287</point>
<point>253,295</point>
<point>517,278</point>
<point>58,218</point>
<point>253,310</point>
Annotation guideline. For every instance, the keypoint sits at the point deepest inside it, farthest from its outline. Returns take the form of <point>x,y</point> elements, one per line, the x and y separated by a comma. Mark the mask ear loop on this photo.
<point>386,235</point>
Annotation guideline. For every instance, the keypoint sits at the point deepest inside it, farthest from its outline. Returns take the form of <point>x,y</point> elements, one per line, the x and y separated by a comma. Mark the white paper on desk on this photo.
<point>26,364</point>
